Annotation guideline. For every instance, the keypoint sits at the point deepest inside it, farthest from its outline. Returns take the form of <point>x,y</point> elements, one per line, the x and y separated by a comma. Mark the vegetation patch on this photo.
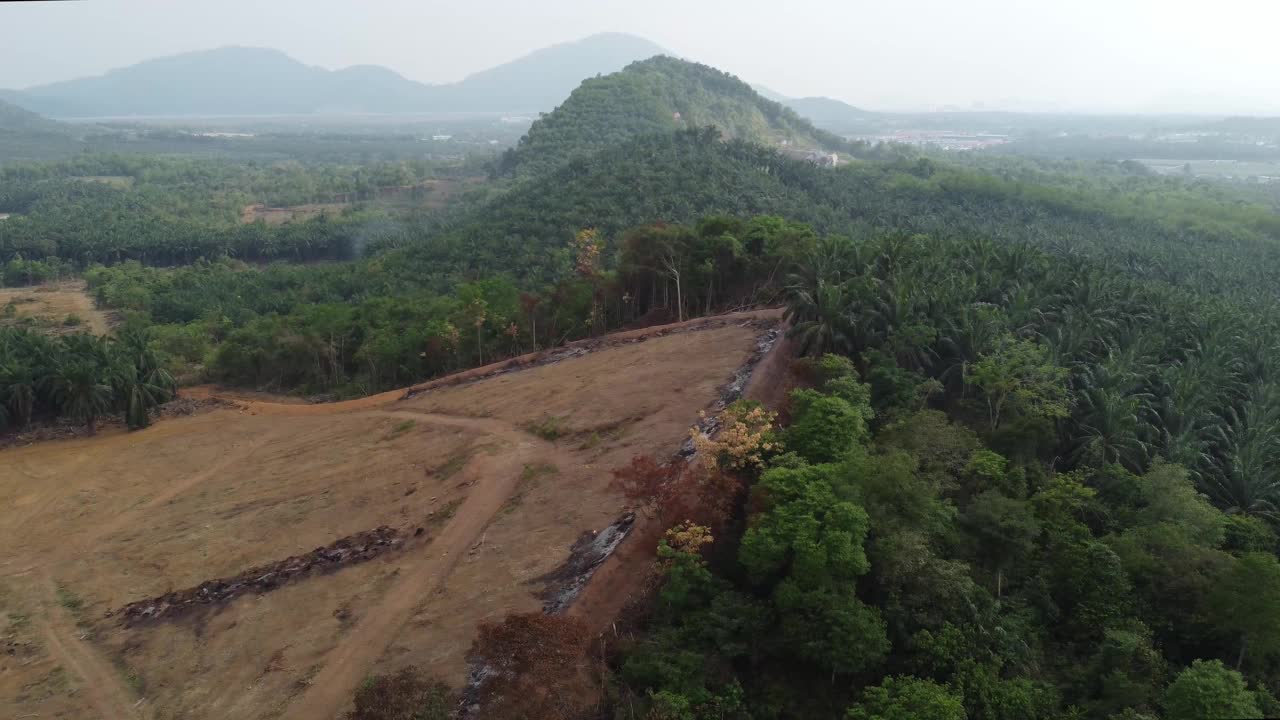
<point>529,477</point>
<point>399,429</point>
<point>548,427</point>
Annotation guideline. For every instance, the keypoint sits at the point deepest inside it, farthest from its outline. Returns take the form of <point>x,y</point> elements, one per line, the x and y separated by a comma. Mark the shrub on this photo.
<point>403,695</point>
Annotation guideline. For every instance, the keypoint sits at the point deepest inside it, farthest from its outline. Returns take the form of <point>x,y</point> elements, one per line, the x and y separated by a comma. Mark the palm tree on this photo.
<point>77,389</point>
<point>820,318</point>
<point>18,392</point>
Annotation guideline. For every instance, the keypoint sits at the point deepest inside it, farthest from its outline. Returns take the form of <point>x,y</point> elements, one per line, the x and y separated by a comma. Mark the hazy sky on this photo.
<point>1109,55</point>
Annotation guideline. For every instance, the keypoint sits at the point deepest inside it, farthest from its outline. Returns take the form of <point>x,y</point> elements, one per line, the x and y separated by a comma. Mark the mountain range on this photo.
<point>259,81</point>
<point>237,80</point>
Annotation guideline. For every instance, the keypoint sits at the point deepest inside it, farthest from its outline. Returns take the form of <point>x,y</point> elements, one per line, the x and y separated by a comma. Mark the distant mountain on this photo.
<point>16,119</point>
<point>834,115</point>
<point>24,135</point>
<point>659,95</point>
<point>543,79</point>
<point>259,81</point>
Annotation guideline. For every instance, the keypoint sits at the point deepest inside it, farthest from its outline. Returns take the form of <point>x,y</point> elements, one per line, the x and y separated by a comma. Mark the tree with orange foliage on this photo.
<point>651,486</point>
<point>532,667</point>
<point>666,491</point>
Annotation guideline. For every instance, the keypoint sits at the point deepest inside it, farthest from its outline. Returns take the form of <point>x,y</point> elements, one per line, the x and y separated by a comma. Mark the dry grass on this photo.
<point>47,307</point>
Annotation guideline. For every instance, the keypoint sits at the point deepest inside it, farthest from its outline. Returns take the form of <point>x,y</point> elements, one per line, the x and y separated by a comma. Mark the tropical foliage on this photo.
<point>80,377</point>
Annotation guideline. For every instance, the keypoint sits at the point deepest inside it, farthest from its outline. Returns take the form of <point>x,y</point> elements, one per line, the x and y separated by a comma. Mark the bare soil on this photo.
<point>88,526</point>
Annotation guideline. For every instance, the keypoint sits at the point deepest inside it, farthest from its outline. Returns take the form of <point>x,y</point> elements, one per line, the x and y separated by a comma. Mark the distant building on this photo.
<point>4,216</point>
<point>820,158</point>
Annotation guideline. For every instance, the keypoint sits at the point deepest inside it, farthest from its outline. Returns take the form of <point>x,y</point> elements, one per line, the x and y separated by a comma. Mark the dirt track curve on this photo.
<point>100,682</point>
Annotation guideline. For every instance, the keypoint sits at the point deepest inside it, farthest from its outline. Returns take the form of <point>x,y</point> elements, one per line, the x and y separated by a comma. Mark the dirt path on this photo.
<point>495,477</point>
<point>101,684</point>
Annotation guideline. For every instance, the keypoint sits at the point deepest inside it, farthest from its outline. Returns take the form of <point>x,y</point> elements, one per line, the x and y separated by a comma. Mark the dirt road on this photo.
<point>494,477</point>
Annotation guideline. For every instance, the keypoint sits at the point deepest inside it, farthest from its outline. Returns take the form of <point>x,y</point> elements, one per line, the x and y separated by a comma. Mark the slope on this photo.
<point>658,95</point>
<point>680,177</point>
<point>258,81</point>
<point>26,135</point>
<point>835,115</point>
<point>482,508</point>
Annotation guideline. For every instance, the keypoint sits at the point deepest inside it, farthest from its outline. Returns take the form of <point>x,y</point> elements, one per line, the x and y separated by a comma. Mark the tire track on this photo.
<point>496,477</point>
<point>102,685</point>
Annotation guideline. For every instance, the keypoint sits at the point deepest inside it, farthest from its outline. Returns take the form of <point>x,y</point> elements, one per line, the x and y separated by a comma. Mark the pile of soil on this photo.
<point>183,406</point>
<point>349,550</point>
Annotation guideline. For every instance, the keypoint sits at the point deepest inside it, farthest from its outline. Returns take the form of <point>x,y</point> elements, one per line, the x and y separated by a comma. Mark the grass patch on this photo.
<point>529,477</point>
<point>70,600</point>
<point>131,677</point>
<point>594,437</point>
<point>454,463</point>
<point>446,512</point>
<point>18,621</point>
<point>449,509</point>
<point>72,320</point>
<point>400,429</point>
<point>548,427</point>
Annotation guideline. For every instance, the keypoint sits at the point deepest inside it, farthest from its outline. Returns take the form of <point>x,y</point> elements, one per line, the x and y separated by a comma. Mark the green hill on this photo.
<point>659,95</point>
<point>1146,224</point>
<point>16,119</point>
<point>25,135</point>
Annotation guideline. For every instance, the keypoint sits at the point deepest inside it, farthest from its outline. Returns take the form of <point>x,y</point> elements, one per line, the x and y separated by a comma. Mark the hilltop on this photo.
<point>659,95</point>
<point>260,81</point>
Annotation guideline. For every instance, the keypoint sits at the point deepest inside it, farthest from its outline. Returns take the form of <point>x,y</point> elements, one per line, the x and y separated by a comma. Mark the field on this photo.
<point>48,307</point>
<point>485,486</point>
<point>1264,170</point>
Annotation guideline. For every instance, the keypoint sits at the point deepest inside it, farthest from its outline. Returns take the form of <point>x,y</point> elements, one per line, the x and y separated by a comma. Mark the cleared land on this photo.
<point>488,482</point>
<point>289,213</point>
<point>47,307</point>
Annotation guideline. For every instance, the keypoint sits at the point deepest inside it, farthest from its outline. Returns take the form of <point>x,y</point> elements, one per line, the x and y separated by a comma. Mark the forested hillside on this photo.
<point>24,134</point>
<point>658,95</point>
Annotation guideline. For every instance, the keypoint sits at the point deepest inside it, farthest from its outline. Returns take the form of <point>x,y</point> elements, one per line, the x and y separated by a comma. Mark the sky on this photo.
<point>1070,55</point>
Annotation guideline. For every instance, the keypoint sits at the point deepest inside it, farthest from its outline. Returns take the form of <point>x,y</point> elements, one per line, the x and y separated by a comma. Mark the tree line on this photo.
<point>80,377</point>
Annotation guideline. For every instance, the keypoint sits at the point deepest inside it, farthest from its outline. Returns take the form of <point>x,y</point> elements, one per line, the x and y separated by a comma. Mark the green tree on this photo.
<point>1019,376</point>
<point>1207,689</point>
<point>1246,599</point>
<point>79,392</point>
<point>908,698</point>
